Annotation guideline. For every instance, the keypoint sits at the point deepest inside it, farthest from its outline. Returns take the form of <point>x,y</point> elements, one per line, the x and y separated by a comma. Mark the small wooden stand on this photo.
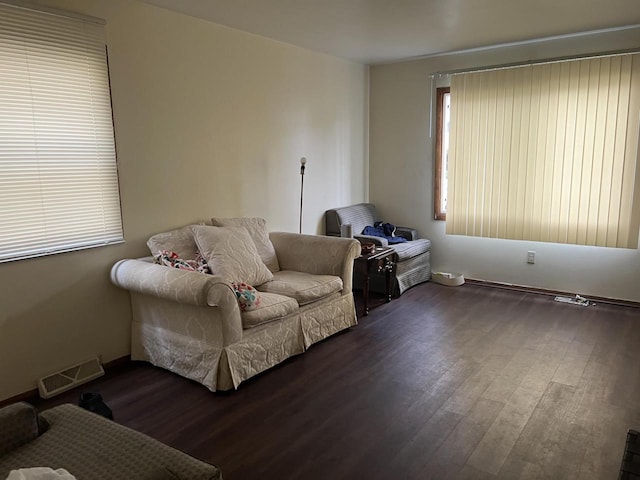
<point>380,260</point>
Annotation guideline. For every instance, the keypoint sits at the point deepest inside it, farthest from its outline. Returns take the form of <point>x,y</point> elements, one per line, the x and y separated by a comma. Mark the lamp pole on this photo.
<point>303,162</point>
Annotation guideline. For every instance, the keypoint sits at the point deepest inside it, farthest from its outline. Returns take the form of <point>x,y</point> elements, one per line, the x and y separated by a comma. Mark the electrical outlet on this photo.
<point>531,257</point>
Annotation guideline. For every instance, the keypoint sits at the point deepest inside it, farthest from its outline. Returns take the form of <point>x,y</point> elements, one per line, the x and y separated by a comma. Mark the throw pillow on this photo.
<point>180,241</point>
<point>248,297</point>
<point>231,254</point>
<point>173,260</point>
<point>257,228</point>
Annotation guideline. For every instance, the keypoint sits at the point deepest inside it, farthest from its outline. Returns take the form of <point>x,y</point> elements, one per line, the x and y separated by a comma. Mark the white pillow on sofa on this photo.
<point>257,228</point>
<point>231,254</point>
<point>179,240</point>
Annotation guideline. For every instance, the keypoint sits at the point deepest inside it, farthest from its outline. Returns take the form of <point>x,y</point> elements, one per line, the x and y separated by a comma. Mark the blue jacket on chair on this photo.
<point>383,230</point>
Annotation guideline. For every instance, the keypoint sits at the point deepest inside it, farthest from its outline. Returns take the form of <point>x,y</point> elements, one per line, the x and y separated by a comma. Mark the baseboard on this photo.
<point>117,362</point>
<point>29,395</point>
<point>544,291</point>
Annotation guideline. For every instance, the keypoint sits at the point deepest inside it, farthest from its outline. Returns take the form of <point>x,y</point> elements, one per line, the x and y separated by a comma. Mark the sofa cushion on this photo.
<point>257,228</point>
<point>272,307</point>
<point>231,254</point>
<point>411,249</point>
<point>304,287</point>
<point>180,241</point>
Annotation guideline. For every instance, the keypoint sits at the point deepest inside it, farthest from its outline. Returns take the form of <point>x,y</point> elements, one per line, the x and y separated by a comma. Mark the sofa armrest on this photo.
<point>319,255</point>
<point>378,241</point>
<point>182,286</point>
<point>18,425</point>
<point>407,232</point>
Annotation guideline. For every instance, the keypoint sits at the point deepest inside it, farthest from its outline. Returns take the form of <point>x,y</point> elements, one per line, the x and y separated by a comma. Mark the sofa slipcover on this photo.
<point>191,324</point>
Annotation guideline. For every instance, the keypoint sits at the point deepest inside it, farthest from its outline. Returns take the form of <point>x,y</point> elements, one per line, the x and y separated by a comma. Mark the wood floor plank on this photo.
<point>465,396</point>
<point>510,378</point>
<point>570,370</point>
<point>469,473</point>
<point>496,445</point>
<point>549,357</point>
<point>453,453</point>
<point>606,441</point>
<point>465,382</point>
<point>520,469</point>
<point>540,433</point>
<point>412,460</point>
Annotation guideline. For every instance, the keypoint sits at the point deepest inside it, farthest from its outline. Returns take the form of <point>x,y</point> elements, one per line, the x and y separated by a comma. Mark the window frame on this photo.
<point>439,213</point>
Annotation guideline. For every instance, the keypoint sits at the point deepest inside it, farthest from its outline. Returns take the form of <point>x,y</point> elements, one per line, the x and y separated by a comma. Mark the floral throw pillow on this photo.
<point>171,259</point>
<point>248,297</point>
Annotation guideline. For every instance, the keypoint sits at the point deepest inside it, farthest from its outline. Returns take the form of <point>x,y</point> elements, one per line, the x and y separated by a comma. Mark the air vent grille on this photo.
<point>70,377</point>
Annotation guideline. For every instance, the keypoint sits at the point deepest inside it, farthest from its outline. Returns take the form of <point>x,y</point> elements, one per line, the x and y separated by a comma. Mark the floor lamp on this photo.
<point>303,162</point>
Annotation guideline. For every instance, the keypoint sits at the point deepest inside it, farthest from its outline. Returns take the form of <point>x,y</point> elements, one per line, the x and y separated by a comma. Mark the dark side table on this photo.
<point>380,260</point>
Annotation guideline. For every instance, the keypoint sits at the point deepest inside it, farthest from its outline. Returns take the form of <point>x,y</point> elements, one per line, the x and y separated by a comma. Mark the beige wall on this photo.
<point>401,180</point>
<point>209,121</point>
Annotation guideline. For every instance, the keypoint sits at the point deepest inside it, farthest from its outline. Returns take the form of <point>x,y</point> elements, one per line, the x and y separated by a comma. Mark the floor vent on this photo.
<point>70,377</point>
<point>577,300</point>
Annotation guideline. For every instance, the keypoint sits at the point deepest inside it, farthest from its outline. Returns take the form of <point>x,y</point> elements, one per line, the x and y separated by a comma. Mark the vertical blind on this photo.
<point>58,177</point>
<point>547,152</point>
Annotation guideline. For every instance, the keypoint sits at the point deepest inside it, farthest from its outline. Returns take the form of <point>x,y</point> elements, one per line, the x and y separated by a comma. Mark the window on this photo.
<point>58,177</point>
<point>443,116</point>
<point>547,152</point>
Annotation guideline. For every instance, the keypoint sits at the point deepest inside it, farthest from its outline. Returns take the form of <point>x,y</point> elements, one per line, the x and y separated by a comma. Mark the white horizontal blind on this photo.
<point>547,153</point>
<point>58,177</point>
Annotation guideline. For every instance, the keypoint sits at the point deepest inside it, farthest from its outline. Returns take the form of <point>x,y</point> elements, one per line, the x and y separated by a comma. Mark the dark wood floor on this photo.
<point>467,382</point>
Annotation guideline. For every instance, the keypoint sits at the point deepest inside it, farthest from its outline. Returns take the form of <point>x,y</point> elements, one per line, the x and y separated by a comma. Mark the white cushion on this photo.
<point>257,228</point>
<point>40,473</point>
<point>180,241</point>
<point>272,307</point>
<point>231,254</point>
<point>304,287</point>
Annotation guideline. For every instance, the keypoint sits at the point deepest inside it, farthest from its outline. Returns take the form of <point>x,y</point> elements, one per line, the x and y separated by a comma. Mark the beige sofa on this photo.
<point>191,323</point>
<point>89,447</point>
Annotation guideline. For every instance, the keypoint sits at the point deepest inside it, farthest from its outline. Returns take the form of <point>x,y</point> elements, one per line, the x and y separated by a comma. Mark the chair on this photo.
<point>413,258</point>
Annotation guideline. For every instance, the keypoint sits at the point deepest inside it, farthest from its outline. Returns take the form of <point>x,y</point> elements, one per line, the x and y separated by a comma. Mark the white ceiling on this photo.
<point>377,31</point>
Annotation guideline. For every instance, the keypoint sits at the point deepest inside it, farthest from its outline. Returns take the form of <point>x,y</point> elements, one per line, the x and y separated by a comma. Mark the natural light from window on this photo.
<point>445,152</point>
<point>443,119</point>
<point>544,152</point>
<point>58,176</point>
